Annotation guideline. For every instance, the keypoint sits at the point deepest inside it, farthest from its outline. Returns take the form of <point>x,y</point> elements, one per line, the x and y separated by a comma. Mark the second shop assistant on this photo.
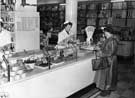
<point>65,35</point>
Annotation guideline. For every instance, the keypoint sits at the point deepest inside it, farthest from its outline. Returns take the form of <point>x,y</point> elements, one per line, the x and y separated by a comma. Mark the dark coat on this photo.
<point>106,78</point>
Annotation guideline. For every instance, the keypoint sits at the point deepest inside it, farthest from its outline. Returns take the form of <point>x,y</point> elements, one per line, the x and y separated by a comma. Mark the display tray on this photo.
<point>88,48</point>
<point>25,54</point>
<point>43,66</point>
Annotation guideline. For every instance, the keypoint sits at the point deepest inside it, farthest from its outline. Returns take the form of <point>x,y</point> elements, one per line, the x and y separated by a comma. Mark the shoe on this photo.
<point>105,93</point>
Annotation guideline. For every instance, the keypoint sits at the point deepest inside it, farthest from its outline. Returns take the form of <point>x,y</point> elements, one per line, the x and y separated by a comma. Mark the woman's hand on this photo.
<point>97,48</point>
<point>99,53</point>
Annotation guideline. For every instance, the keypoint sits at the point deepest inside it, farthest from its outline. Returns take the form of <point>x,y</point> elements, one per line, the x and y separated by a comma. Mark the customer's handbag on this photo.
<point>100,63</point>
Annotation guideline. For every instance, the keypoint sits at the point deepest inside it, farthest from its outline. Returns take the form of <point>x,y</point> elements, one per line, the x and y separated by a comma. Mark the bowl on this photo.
<point>23,75</point>
<point>12,74</point>
<point>15,68</point>
<point>17,77</point>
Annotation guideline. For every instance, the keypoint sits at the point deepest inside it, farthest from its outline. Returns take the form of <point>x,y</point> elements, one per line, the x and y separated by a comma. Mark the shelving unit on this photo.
<point>118,14</point>
<point>22,22</point>
<point>8,15</point>
<point>90,12</point>
<point>51,15</point>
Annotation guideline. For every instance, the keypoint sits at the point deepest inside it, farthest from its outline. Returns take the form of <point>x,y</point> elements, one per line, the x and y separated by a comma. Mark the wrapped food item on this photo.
<point>15,68</point>
<point>3,80</point>
<point>17,77</point>
<point>1,73</point>
<point>29,66</point>
<point>23,75</point>
<point>60,46</point>
<point>13,74</point>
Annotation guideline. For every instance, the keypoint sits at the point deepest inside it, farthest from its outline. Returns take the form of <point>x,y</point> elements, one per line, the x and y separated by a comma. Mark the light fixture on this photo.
<point>63,3</point>
<point>117,0</point>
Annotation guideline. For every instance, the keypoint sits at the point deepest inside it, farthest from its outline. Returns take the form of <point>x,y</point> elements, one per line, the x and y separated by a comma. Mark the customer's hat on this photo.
<point>109,29</point>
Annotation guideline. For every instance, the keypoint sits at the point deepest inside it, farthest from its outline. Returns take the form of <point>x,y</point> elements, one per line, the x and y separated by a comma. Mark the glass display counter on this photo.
<point>61,80</point>
<point>23,63</point>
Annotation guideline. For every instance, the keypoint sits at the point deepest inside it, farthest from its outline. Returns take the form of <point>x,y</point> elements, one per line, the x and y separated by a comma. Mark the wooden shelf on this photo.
<point>123,9</point>
<point>51,15</point>
<point>89,14</point>
<point>8,16</point>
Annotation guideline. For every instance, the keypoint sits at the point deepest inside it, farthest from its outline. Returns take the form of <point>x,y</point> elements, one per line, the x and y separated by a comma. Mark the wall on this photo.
<point>27,26</point>
<point>27,31</point>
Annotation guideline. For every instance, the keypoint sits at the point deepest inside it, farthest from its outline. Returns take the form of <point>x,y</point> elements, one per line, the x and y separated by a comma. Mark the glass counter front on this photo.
<point>29,63</point>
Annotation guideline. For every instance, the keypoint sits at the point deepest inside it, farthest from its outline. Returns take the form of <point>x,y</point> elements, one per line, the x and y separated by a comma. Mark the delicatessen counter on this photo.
<point>47,74</point>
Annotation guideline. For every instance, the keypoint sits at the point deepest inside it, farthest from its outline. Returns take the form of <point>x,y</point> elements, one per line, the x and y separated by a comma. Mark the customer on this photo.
<point>106,79</point>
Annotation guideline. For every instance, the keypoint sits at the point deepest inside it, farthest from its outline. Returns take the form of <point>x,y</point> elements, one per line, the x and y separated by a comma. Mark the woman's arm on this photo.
<point>109,49</point>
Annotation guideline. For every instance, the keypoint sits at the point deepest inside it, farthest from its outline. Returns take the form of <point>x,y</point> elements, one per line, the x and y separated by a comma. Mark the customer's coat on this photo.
<point>107,78</point>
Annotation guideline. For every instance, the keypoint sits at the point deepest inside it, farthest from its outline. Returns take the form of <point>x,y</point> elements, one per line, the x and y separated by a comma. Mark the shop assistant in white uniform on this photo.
<point>5,37</point>
<point>5,41</point>
<point>65,34</point>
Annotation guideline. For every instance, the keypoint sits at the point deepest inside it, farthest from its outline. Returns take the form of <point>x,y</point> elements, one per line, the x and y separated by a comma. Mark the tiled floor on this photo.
<point>126,82</point>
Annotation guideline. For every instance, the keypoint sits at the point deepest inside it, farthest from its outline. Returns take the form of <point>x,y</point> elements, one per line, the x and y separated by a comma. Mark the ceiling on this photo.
<point>62,1</point>
<point>53,1</point>
<point>49,1</point>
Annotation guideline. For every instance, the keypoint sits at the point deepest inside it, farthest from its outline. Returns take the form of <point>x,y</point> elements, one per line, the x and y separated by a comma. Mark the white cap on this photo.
<point>66,22</point>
